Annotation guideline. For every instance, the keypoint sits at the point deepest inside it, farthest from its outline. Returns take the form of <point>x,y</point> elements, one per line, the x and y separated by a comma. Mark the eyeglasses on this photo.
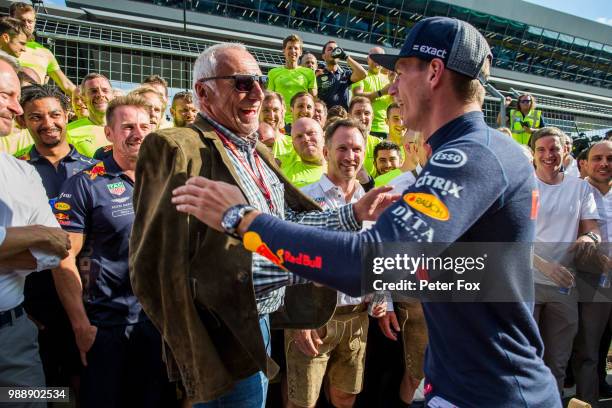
<point>525,101</point>
<point>243,83</point>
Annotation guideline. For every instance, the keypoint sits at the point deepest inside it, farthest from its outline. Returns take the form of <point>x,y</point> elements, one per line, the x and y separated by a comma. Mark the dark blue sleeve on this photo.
<point>73,204</point>
<point>458,185</point>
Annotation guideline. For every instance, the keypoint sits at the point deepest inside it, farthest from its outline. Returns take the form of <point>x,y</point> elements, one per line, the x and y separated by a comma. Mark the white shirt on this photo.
<point>402,182</point>
<point>329,196</point>
<point>562,207</point>
<point>604,208</point>
<point>23,201</point>
<point>572,169</point>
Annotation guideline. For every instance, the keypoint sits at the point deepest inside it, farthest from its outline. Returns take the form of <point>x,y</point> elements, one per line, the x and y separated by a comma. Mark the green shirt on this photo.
<point>301,174</point>
<point>283,149</point>
<point>15,142</point>
<point>39,59</point>
<point>368,163</point>
<point>289,82</point>
<point>86,137</point>
<point>384,179</point>
<point>372,83</point>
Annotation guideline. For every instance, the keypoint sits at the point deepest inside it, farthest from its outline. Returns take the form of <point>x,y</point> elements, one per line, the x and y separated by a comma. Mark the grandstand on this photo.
<point>564,60</point>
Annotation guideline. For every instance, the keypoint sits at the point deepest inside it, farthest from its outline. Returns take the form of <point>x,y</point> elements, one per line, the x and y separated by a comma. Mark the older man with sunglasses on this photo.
<point>210,297</point>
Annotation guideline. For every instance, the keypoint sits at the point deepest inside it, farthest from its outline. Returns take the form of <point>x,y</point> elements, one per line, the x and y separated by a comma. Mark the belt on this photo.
<point>9,316</point>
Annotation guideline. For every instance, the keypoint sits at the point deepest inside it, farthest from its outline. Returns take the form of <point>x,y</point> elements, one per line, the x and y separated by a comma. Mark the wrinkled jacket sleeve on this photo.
<point>159,257</point>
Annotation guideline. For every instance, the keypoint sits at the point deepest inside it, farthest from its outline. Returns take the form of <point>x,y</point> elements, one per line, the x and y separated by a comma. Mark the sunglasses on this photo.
<point>243,83</point>
<point>525,101</point>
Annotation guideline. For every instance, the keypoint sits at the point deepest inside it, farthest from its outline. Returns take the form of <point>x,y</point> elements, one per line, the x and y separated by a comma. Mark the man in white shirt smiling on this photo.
<point>30,240</point>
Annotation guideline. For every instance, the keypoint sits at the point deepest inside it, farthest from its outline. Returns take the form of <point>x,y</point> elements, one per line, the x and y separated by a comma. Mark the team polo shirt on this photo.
<point>373,83</point>
<point>98,203</point>
<point>289,82</point>
<point>18,140</point>
<point>384,179</point>
<point>334,87</point>
<point>479,354</point>
<point>283,147</point>
<point>39,58</point>
<point>40,293</point>
<point>301,174</point>
<point>86,136</point>
<point>368,161</point>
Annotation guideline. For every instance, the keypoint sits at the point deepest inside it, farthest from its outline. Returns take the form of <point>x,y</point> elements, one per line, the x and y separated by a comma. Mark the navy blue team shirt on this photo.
<point>479,354</point>
<point>334,87</point>
<point>98,203</point>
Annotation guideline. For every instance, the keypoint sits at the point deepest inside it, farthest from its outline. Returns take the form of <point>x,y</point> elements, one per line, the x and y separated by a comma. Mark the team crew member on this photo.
<point>13,37</point>
<point>337,350</point>
<point>35,56</point>
<point>112,332</point>
<point>87,134</point>
<point>30,240</point>
<point>183,110</point>
<point>292,78</point>
<point>160,85</point>
<point>45,117</point>
<point>157,104</point>
<point>374,87</point>
<point>320,113</point>
<point>594,316</point>
<point>442,62</point>
<point>334,82</point>
<point>309,60</point>
<point>386,157</point>
<point>221,144</point>
<point>556,309</point>
<point>308,165</point>
<point>524,118</point>
<point>78,105</point>
<point>273,113</point>
<point>360,108</point>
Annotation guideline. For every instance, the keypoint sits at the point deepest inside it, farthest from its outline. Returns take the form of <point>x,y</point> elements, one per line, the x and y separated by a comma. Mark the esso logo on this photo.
<point>449,158</point>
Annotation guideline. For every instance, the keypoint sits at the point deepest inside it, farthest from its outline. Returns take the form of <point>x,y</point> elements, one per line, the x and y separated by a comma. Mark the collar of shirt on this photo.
<point>456,128</point>
<point>111,167</point>
<point>329,187</point>
<point>72,155</point>
<point>245,144</point>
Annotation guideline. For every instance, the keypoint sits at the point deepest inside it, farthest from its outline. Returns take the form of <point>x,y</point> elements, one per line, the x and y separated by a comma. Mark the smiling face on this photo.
<point>387,160</point>
<point>46,121</point>
<point>292,52</point>
<point>237,111</point>
<point>272,113</point>
<point>548,154</point>
<point>9,98</point>
<point>309,61</point>
<point>410,92</point>
<point>320,113</point>
<point>344,153</point>
<point>363,113</point>
<point>599,162</point>
<point>157,108</point>
<point>97,93</point>
<point>303,107</point>
<point>396,125</point>
<point>14,45</point>
<point>127,130</point>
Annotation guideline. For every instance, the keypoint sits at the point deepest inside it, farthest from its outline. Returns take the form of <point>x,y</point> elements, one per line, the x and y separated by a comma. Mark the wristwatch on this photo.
<point>232,218</point>
<point>593,236</point>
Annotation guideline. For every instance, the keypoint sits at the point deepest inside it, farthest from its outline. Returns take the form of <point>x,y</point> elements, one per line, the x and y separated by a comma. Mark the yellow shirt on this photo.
<point>86,137</point>
<point>39,59</point>
<point>18,140</point>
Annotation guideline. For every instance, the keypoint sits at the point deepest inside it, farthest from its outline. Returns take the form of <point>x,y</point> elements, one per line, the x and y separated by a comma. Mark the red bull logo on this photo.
<point>252,242</point>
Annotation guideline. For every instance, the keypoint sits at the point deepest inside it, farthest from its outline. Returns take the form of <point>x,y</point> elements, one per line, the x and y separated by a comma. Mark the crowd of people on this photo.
<point>116,282</point>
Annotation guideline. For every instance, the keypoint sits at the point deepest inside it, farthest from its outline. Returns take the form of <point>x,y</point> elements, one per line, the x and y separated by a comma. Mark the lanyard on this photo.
<point>258,180</point>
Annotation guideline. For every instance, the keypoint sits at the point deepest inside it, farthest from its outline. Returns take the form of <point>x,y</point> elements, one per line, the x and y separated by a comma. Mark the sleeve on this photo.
<point>426,213</point>
<point>52,66</point>
<point>342,219</point>
<point>74,204</point>
<point>588,206</point>
<point>272,79</point>
<point>312,80</point>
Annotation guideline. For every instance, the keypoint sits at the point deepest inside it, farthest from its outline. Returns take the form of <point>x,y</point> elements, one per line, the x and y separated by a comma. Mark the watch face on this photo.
<point>231,219</point>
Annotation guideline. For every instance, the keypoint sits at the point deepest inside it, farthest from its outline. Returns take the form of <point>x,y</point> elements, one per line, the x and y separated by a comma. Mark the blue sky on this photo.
<point>598,10</point>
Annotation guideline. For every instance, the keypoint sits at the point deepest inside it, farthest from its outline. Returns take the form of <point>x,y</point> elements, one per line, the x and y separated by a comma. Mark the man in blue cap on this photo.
<point>479,354</point>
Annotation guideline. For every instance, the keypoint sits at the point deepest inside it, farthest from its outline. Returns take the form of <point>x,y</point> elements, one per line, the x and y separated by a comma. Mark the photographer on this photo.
<point>524,118</point>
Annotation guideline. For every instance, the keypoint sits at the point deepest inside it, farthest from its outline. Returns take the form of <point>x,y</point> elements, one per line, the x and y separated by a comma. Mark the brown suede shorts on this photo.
<point>414,335</point>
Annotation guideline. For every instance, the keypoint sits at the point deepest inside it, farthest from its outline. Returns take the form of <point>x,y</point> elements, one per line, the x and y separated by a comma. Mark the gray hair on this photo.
<point>206,64</point>
<point>9,59</point>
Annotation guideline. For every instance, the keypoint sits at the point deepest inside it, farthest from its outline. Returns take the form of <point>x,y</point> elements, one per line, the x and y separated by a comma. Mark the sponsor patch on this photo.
<point>426,49</point>
<point>65,195</point>
<point>428,204</point>
<point>116,188</point>
<point>252,242</point>
<point>120,200</point>
<point>62,206</point>
<point>97,170</point>
<point>418,229</point>
<point>62,219</point>
<point>441,184</point>
<point>449,158</point>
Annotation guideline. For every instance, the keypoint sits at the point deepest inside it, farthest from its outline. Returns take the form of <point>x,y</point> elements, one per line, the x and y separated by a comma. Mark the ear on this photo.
<point>202,91</point>
<point>325,152</point>
<point>5,37</point>
<point>435,71</point>
<point>107,133</point>
<point>21,121</point>
<point>172,111</point>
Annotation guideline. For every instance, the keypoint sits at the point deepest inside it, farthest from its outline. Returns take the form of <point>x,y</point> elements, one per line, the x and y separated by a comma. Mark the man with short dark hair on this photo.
<point>13,37</point>
<point>87,134</point>
<point>360,108</point>
<point>440,68</point>
<point>183,110</point>
<point>45,117</point>
<point>113,334</point>
<point>386,157</point>
<point>333,81</point>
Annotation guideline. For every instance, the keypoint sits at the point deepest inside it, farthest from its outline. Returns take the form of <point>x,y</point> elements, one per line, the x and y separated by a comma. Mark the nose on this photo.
<point>257,92</point>
<point>14,106</point>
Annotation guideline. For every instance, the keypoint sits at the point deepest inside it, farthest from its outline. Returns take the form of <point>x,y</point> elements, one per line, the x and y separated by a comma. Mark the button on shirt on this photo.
<point>22,202</point>
<point>334,87</point>
<point>98,203</point>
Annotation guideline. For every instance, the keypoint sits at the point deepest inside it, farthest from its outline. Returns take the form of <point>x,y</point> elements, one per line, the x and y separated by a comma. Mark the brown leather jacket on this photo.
<point>195,283</point>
